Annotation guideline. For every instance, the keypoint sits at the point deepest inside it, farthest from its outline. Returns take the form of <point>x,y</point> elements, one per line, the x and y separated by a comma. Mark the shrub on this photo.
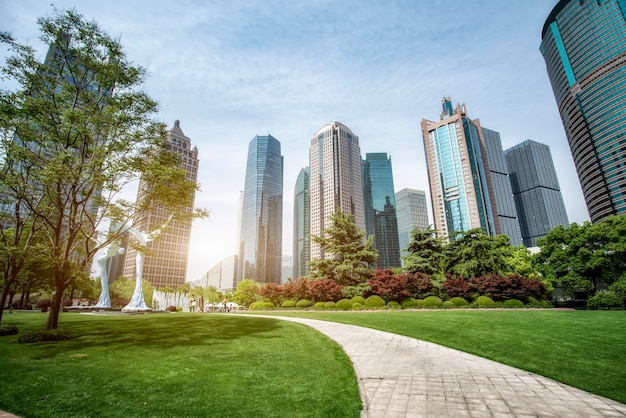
<point>255,306</point>
<point>46,335</point>
<point>409,303</point>
<point>513,303</point>
<point>357,306</point>
<point>8,330</point>
<point>457,288</point>
<point>433,302</point>
<point>507,287</point>
<point>374,301</point>
<point>393,305</point>
<point>358,299</point>
<point>288,304</point>
<point>303,303</point>
<point>43,304</point>
<point>358,290</point>
<point>318,306</point>
<point>448,305</point>
<point>273,292</point>
<point>484,302</point>
<point>344,304</point>
<point>325,290</point>
<point>459,302</point>
<point>398,287</point>
<point>534,303</point>
<point>329,305</point>
<point>619,287</point>
<point>605,300</point>
<point>171,308</point>
<point>419,303</point>
<point>267,306</point>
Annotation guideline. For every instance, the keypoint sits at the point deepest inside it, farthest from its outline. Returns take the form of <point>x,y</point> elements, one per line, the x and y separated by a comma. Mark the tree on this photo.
<point>75,132</point>
<point>475,254</point>
<point>584,257</point>
<point>426,252</point>
<point>247,292</point>
<point>348,254</point>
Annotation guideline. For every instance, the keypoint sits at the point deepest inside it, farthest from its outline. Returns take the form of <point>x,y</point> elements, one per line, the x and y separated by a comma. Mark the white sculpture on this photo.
<point>112,250</point>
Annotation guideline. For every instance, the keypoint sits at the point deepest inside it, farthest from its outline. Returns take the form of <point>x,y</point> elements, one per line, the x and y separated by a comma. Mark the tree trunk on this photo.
<point>53,313</point>
<point>3,297</point>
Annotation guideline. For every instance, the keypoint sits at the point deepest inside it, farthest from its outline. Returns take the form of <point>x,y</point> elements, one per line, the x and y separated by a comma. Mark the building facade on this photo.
<point>166,262</point>
<point>502,194</point>
<point>260,243</point>
<point>222,275</point>
<point>536,190</point>
<point>301,221</point>
<point>335,181</point>
<point>379,208</point>
<point>411,212</point>
<point>458,176</point>
<point>584,47</point>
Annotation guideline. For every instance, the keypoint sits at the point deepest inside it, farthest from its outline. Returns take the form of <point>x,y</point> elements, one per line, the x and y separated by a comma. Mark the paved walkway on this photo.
<point>405,377</point>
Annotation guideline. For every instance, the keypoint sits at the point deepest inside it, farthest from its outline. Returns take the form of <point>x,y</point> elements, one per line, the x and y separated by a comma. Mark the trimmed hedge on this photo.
<point>357,307</point>
<point>330,305</point>
<point>393,305</point>
<point>459,302</point>
<point>448,305</point>
<point>318,306</point>
<point>344,304</point>
<point>8,330</point>
<point>409,303</point>
<point>484,302</point>
<point>288,304</point>
<point>433,302</point>
<point>304,303</point>
<point>513,303</point>
<point>358,299</point>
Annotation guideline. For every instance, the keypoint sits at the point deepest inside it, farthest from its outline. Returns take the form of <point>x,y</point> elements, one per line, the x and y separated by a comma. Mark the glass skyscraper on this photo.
<point>411,213</point>
<point>536,190</point>
<point>459,180</point>
<point>380,208</point>
<point>260,244</point>
<point>584,47</point>
<point>301,219</point>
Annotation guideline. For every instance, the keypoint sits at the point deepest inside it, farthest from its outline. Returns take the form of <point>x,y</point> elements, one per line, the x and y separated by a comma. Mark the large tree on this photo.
<point>426,252</point>
<point>474,253</point>
<point>77,130</point>
<point>348,254</point>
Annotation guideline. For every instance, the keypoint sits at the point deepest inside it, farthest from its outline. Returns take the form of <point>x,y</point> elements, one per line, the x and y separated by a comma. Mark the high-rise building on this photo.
<point>412,212</point>
<point>166,262</point>
<point>301,219</point>
<point>222,275</point>
<point>502,194</point>
<point>260,243</point>
<point>584,47</point>
<point>459,178</point>
<point>536,190</point>
<point>335,182</point>
<point>380,208</point>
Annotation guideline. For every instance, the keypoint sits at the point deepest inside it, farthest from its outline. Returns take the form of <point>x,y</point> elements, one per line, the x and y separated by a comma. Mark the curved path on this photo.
<point>405,377</point>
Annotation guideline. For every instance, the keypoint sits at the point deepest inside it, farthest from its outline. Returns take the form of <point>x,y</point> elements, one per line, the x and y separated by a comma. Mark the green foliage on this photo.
<point>46,335</point>
<point>448,305</point>
<point>520,261</point>
<point>619,287</point>
<point>344,304</point>
<point>288,304</point>
<point>484,302</point>
<point>330,305</point>
<point>268,305</point>
<point>304,303</point>
<point>393,305</point>
<point>419,303</point>
<point>256,306</point>
<point>374,301</point>
<point>357,307</point>
<point>247,292</point>
<point>409,303</point>
<point>426,252</point>
<point>358,299</point>
<point>360,289</point>
<point>432,302</point>
<point>475,254</point>
<point>459,302</point>
<point>605,300</point>
<point>513,303</point>
<point>352,254</point>
<point>318,306</point>
<point>8,330</point>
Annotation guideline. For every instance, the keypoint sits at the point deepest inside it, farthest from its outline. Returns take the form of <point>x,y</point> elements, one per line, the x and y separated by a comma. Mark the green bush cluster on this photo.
<point>484,302</point>
<point>358,299</point>
<point>459,302</point>
<point>8,330</point>
<point>329,305</point>
<point>303,303</point>
<point>605,300</point>
<point>448,305</point>
<point>409,303</point>
<point>344,304</point>
<point>288,304</point>
<point>513,303</point>
<point>46,335</point>
<point>357,306</point>
<point>318,306</point>
<point>393,305</point>
<point>374,301</point>
<point>432,302</point>
<point>262,306</point>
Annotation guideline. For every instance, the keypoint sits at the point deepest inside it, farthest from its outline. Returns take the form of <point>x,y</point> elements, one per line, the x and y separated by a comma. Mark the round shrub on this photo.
<point>358,299</point>
<point>329,305</point>
<point>484,302</point>
<point>459,302</point>
<point>419,303</point>
<point>513,303</point>
<point>303,303</point>
<point>433,302</point>
<point>268,305</point>
<point>344,304</point>
<point>393,305</point>
<point>448,305</point>
<point>408,303</point>
<point>7,330</point>
<point>318,306</point>
<point>605,300</point>
<point>374,301</point>
<point>288,304</point>
<point>171,308</point>
<point>357,307</point>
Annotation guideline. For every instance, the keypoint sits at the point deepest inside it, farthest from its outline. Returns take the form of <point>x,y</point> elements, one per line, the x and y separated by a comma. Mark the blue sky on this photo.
<point>229,70</point>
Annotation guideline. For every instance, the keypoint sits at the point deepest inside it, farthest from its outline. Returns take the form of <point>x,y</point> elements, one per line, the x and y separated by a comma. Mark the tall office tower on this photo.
<point>166,262</point>
<point>584,46</point>
<point>502,193</point>
<point>222,275</point>
<point>412,213</point>
<point>301,219</point>
<point>260,243</point>
<point>379,207</point>
<point>335,164</point>
<point>457,173</point>
<point>536,190</point>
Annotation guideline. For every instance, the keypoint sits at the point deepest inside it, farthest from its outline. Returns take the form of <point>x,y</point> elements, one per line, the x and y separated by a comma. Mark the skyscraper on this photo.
<point>502,194</point>
<point>457,173</point>
<point>536,190</point>
<point>260,244</point>
<point>166,262</point>
<point>301,219</point>
<point>584,47</point>
<point>335,182</point>
<point>412,213</point>
<point>380,208</point>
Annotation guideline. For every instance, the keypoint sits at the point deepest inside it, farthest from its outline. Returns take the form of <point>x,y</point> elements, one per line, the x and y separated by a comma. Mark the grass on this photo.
<point>584,349</point>
<point>175,365</point>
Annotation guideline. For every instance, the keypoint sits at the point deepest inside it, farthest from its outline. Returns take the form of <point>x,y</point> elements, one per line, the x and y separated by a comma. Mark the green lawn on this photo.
<point>175,365</point>
<point>585,349</point>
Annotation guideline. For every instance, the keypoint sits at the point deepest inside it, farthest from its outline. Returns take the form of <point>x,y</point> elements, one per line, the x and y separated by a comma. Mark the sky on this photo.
<point>230,70</point>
